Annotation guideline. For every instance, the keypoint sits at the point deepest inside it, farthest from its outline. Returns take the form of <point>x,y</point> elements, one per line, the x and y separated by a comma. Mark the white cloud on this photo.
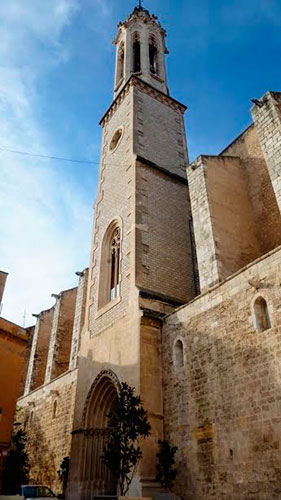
<point>43,216</point>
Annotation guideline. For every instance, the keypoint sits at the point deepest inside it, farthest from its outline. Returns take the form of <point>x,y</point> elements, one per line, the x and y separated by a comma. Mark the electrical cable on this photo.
<point>13,151</point>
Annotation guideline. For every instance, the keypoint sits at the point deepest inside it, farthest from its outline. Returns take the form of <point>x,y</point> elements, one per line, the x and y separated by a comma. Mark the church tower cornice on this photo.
<point>135,81</point>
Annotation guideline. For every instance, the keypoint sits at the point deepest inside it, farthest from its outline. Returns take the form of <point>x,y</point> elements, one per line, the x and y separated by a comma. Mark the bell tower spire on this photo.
<point>140,50</point>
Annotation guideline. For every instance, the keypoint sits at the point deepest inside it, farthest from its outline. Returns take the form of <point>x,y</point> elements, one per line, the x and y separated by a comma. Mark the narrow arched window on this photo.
<point>109,288</point>
<point>261,315</point>
<point>120,64</point>
<point>178,354</point>
<point>55,409</point>
<point>136,53</point>
<point>153,55</point>
<point>115,265</point>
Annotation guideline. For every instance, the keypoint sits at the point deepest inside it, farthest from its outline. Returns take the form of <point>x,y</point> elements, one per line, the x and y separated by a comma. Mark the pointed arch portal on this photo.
<point>101,400</point>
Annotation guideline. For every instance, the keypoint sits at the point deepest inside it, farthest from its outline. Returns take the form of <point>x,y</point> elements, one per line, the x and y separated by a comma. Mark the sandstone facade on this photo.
<point>181,300</point>
<point>222,406</point>
<point>47,404</point>
<point>47,417</point>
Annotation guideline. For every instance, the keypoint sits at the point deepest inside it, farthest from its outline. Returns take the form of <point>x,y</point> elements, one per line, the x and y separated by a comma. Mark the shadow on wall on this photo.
<point>222,409</point>
<point>43,468</point>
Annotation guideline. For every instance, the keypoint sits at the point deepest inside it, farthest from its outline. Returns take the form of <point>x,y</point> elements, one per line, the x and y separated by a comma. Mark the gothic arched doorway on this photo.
<point>102,399</point>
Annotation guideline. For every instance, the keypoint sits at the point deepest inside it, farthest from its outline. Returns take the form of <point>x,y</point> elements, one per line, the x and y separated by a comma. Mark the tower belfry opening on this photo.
<point>137,54</point>
<point>153,55</point>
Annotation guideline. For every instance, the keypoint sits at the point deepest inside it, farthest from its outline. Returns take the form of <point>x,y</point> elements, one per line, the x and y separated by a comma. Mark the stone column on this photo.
<point>53,340</point>
<point>208,265</point>
<point>79,317</point>
<point>32,358</point>
<point>266,114</point>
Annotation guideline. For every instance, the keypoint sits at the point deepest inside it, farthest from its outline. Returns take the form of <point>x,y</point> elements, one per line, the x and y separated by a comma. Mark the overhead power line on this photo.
<point>13,151</point>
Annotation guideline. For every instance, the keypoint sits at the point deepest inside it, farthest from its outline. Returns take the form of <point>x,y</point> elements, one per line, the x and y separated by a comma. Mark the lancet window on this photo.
<point>136,53</point>
<point>153,55</point>
<point>120,63</point>
<point>110,275</point>
<point>115,265</point>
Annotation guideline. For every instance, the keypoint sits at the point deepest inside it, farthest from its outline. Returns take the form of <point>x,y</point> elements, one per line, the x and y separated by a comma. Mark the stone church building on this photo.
<point>182,299</point>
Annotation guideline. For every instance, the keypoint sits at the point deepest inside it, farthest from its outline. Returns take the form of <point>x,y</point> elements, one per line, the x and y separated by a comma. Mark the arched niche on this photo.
<point>178,355</point>
<point>262,316</point>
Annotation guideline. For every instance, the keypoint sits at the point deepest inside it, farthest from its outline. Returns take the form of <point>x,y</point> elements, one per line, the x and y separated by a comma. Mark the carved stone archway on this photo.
<point>95,478</point>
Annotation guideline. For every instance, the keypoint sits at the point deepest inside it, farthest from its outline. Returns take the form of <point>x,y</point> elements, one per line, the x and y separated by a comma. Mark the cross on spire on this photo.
<point>140,4</point>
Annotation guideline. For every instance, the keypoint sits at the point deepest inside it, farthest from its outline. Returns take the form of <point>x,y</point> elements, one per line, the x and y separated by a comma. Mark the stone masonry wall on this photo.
<point>223,218</point>
<point>49,429</point>
<point>263,199</point>
<point>234,207</point>
<point>267,119</point>
<point>231,214</point>
<point>61,335</point>
<point>39,351</point>
<point>114,202</point>
<point>222,408</point>
<point>64,333</point>
<point>208,268</point>
<point>163,249</point>
<point>159,130</point>
<point>79,318</point>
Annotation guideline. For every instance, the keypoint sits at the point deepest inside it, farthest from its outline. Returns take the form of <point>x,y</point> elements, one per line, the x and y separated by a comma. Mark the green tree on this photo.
<point>16,464</point>
<point>166,473</point>
<point>127,426</point>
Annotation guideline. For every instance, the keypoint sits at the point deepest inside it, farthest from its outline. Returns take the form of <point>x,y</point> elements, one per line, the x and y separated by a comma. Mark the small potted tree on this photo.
<point>63,474</point>
<point>166,472</point>
<point>127,425</point>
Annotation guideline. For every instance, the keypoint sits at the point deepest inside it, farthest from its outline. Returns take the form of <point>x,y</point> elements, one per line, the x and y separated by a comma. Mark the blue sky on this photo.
<point>56,81</point>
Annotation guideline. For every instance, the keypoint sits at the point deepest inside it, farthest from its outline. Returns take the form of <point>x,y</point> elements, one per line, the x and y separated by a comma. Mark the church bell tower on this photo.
<point>141,265</point>
<point>140,50</point>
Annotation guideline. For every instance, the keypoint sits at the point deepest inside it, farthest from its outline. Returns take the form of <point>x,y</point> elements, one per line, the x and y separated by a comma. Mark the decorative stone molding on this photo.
<point>104,373</point>
<point>134,81</point>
